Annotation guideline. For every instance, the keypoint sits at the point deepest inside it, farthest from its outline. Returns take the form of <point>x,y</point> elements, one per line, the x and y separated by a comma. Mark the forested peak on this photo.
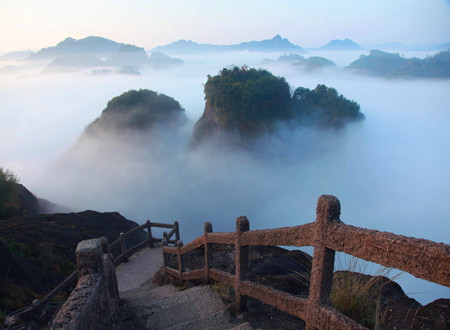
<point>138,109</point>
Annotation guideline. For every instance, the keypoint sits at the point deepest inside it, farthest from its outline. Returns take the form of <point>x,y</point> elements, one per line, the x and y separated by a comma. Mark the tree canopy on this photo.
<point>324,107</point>
<point>138,109</point>
<point>248,100</point>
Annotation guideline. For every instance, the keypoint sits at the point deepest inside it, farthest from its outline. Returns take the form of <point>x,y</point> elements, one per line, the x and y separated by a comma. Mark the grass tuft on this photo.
<point>358,296</point>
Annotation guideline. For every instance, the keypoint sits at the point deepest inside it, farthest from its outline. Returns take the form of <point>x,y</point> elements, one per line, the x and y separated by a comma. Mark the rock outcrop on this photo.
<point>38,251</point>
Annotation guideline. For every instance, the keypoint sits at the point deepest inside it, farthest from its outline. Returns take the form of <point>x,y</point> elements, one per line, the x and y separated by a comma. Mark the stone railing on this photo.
<point>72,312</point>
<point>94,303</point>
<point>422,258</point>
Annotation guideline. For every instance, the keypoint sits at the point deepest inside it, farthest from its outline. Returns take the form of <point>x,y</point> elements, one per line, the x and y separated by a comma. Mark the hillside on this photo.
<point>88,46</point>
<point>137,110</point>
<point>244,101</point>
<point>37,251</point>
<point>393,65</point>
<point>248,103</point>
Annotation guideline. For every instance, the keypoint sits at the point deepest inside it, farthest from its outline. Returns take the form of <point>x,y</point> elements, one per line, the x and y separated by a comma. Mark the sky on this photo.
<point>29,24</point>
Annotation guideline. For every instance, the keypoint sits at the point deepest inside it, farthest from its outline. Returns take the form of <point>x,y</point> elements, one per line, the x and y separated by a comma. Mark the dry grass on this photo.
<point>359,296</point>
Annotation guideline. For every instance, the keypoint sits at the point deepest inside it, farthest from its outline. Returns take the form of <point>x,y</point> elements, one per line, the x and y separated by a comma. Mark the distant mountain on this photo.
<point>128,56</point>
<point>187,46</point>
<point>16,56</point>
<point>393,65</point>
<point>89,46</point>
<point>72,63</point>
<point>101,55</point>
<point>345,44</point>
<point>277,43</point>
<point>310,63</point>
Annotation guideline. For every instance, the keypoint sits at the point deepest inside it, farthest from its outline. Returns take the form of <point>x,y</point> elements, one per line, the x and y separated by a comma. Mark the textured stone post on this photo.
<point>149,234</point>
<point>242,225</point>
<point>207,228</point>
<point>328,211</point>
<point>94,303</point>
<point>180,259</point>
<point>123,245</point>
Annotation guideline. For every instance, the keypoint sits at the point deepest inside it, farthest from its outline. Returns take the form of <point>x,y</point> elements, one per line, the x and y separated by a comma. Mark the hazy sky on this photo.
<point>30,24</point>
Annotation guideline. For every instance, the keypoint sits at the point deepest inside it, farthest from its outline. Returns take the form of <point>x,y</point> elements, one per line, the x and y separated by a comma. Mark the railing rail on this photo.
<point>327,235</point>
<point>33,312</point>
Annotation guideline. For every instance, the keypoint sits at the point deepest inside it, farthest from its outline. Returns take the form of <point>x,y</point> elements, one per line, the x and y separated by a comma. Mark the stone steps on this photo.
<point>167,308</point>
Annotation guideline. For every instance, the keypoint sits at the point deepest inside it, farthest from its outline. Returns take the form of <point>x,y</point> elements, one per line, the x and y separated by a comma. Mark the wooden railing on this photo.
<point>127,252</point>
<point>422,258</point>
<point>34,312</point>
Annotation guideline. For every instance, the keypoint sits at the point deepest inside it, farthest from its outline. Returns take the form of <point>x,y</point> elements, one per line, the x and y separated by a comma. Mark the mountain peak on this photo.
<point>338,44</point>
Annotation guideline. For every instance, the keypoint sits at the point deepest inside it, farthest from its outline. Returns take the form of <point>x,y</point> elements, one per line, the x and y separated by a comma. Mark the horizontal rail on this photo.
<point>221,238</point>
<point>194,274</point>
<point>326,315</point>
<point>138,247</point>
<point>285,302</point>
<point>195,244</point>
<point>223,277</point>
<point>38,304</point>
<point>409,254</point>
<point>63,285</point>
<point>161,225</point>
<point>288,236</point>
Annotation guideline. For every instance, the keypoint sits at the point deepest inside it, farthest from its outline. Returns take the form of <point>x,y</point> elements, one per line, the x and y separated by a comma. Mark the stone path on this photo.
<point>166,307</point>
<point>141,268</point>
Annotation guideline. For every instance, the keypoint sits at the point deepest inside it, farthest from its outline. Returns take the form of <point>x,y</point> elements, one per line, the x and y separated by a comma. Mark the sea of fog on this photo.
<point>390,172</point>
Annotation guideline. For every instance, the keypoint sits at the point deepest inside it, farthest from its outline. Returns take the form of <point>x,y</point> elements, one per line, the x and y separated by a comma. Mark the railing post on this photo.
<point>177,231</point>
<point>241,262</point>
<point>149,234</point>
<point>207,228</point>
<point>328,210</point>
<point>123,246</point>
<point>180,259</point>
<point>165,243</point>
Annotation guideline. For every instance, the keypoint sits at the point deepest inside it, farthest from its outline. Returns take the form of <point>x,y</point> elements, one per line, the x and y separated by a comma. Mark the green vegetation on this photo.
<point>248,100</point>
<point>43,254</point>
<point>393,65</point>
<point>9,202</point>
<point>251,102</point>
<point>324,107</point>
<point>138,110</point>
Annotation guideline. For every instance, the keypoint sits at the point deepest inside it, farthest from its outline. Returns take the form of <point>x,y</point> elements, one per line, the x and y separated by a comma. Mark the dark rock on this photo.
<point>38,251</point>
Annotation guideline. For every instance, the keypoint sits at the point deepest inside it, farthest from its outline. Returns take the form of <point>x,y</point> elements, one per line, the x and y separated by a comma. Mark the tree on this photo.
<point>8,193</point>
<point>324,107</point>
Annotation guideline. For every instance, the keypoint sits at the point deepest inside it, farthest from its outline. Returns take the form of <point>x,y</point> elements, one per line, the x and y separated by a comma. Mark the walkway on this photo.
<point>140,269</point>
<point>166,307</point>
